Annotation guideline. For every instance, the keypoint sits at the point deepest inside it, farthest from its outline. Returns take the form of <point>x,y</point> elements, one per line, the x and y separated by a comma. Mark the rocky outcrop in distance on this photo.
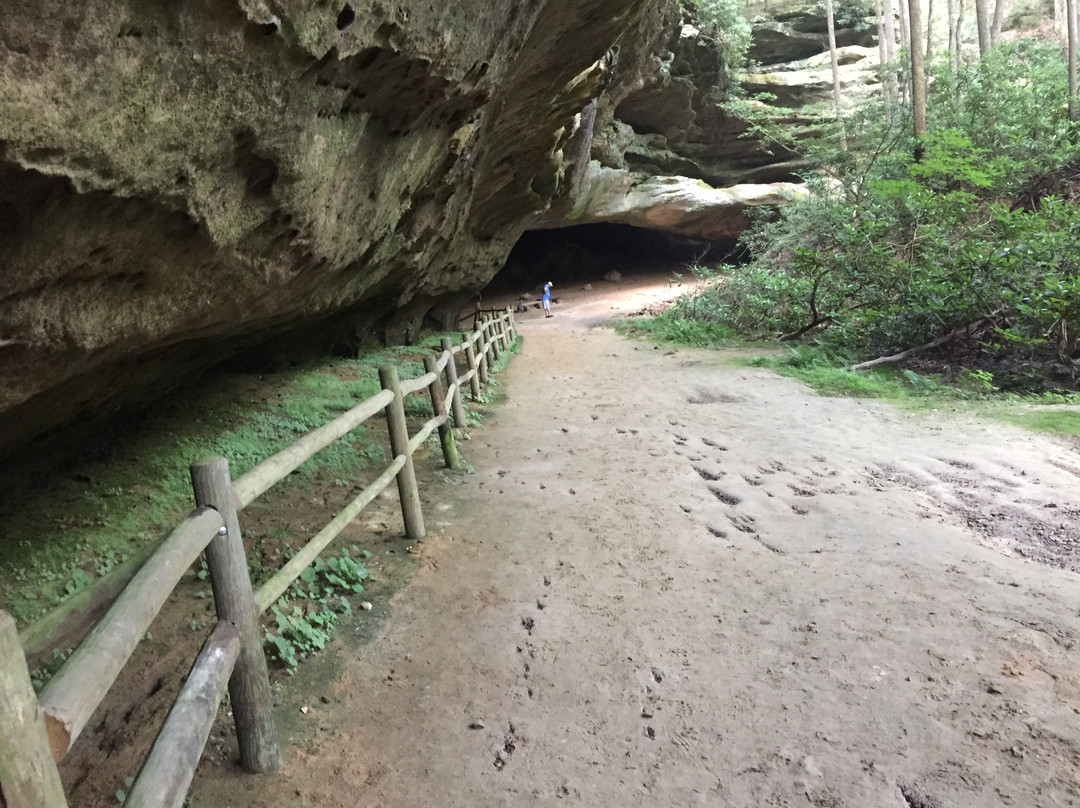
<point>687,207</point>
<point>668,156</point>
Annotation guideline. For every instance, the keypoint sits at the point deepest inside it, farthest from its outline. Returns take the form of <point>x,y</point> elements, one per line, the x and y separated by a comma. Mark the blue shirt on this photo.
<point>547,292</point>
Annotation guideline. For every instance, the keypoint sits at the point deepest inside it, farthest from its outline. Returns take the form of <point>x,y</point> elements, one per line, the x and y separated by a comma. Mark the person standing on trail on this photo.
<point>547,299</point>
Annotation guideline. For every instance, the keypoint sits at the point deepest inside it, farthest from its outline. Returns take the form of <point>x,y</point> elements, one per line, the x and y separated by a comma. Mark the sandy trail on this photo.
<point>671,581</point>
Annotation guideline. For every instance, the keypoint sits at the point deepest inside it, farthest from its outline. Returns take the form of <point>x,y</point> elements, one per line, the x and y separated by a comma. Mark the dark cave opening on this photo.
<point>585,253</point>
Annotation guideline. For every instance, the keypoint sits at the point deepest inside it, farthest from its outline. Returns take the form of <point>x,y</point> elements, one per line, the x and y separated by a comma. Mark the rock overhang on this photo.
<point>179,182</point>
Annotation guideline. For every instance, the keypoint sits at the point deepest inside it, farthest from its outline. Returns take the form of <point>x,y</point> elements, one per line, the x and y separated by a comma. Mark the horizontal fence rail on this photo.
<point>78,687</point>
<point>37,731</point>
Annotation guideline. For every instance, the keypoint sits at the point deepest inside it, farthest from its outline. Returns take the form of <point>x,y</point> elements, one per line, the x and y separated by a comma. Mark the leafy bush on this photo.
<point>307,614</point>
<point>888,252</point>
<point>723,20</point>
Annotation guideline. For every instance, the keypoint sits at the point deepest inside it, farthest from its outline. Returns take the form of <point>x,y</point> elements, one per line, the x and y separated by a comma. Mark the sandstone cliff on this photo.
<point>181,180</point>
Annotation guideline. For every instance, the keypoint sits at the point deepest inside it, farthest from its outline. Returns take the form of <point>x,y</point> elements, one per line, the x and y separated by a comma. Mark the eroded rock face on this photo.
<point>671,121</point>
<point>691,208</point>
<point>809,81</point>
<point>181,180</point>
<point>672,124</point>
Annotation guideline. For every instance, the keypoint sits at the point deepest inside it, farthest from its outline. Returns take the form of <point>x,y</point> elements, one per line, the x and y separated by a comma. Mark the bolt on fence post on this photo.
<point>438,406</point>
<point>249,686</point>
<point>28,775</point>
<point>470,359</point>
<point>408,492</point>
<point>452,380</point>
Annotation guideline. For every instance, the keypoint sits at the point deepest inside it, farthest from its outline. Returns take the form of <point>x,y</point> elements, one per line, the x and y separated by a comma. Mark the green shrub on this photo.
<point>889,252</point>
<point>307,614</point>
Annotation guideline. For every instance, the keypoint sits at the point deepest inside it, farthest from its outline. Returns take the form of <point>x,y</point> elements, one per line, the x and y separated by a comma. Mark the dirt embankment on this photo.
<point>672,581</point>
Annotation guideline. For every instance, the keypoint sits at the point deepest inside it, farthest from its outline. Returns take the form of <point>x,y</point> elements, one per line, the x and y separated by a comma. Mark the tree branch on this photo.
<point>883,360</point>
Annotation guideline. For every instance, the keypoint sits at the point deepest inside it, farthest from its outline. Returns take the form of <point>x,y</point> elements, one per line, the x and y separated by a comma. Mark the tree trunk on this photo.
<point>983,25</point>
<point>918,74</point>
<point>888,24</point>
<point>905,38</point>
<point>959,28</point>
<point>835,62</point>
<point>999,16</point>
<point>883,51</point>
<point>1070,24</point>
<point>954,37</point>
<point>929,27</point>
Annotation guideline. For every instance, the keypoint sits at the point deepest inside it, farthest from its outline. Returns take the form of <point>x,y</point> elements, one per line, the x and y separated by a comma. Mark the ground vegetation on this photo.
<point>960,244</point>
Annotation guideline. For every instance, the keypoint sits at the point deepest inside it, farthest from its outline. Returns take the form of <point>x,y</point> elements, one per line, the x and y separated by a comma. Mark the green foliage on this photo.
<point>54,541</point>
<point>723,20</point>
<point>1012,104</point>
<point>307,614</point>
<point>40,676</point>
<point>855,14</point>
<point>888,252</point>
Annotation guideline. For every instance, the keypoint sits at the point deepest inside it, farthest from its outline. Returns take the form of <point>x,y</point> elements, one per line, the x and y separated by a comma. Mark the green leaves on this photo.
<point>950,158</point>
<point>724,22</point>
<point>306,616</point>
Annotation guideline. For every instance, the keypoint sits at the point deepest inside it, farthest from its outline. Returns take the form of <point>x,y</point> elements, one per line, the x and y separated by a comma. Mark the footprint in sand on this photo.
<point>724,496</point>
<point>705,474</point>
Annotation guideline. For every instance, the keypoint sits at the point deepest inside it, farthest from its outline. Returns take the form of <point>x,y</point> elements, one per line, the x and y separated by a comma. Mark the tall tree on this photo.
<point>950,15</point>
<point>929,26</point>
<point>835,62</point>
<point>918,73</point>
<point>905,39</point>
<point>1070,24</point>
<point>905,25</point>
<point>888,25</point>
<point>959,28</point>
<point>999,17</point>
<point>983,25</point>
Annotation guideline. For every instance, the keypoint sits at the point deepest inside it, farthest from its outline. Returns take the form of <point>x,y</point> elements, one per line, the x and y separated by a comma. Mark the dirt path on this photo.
<point>672,581</point>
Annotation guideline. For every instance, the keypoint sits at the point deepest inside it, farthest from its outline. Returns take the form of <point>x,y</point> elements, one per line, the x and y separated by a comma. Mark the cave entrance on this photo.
<point>585,253</point>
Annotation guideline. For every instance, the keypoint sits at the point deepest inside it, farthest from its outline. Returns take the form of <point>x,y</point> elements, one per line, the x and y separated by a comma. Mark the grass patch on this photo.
<point>1054,413</point>
<point>666,327</point>
<point>1052,419</point>
<point>57,538</point>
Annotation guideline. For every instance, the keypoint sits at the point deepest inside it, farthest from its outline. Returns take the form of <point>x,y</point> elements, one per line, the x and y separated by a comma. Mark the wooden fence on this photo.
<point>38,731</point>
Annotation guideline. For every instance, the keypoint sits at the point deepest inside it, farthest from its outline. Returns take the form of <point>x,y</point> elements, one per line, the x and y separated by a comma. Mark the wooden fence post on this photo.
<point>452,380</point>
<point>493,337</point>
<point>470,359</point>
<point>482,352</point>
<point>249,686</point>
<point>28,775</point>
<point>408,492</point>
<point>500,336</point>
<point>438,406</point>
<point>511,324</point>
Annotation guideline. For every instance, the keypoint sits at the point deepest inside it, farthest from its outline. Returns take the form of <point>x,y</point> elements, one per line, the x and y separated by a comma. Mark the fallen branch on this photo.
<point>794,335</point>
<point>882,360</point>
